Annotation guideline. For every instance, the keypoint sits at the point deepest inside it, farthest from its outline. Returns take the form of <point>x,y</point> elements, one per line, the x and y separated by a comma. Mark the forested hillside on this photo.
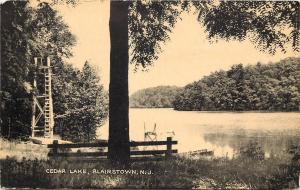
<point>155,97</point>
<point>270,87</point>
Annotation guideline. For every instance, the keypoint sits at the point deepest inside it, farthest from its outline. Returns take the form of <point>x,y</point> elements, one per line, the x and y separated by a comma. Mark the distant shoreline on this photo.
<point>220,111</point>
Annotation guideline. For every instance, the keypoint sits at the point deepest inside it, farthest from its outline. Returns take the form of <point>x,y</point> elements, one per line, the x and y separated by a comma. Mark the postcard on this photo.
<point>150,94</point>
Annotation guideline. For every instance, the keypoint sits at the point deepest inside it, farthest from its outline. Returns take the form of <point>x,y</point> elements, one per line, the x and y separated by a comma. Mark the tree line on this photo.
<point>268,87</point>
<point>80,102</point>
<point>155,97</point>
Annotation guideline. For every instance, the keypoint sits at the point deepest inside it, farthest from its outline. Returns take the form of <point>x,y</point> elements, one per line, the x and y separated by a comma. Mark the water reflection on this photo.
<point>273,144</point>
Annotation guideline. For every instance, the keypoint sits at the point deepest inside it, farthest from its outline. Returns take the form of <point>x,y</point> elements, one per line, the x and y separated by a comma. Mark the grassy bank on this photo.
<point>20,149</point>
<point>27,165</point>
<point>174,173</point>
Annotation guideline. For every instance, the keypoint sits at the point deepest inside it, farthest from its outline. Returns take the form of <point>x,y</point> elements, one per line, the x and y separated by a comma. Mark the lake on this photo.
<point>223,132</point>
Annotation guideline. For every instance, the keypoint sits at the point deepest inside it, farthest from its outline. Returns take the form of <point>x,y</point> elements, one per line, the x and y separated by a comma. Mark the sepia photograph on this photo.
<point>150,94</point>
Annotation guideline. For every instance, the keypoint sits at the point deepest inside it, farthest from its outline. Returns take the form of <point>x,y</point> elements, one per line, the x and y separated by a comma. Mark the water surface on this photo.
<point>223,132</point>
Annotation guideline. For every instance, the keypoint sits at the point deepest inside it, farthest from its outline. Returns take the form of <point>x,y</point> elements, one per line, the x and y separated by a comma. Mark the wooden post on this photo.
<point>55,147</point>
<point>34,97</point>
<point>169,147</point>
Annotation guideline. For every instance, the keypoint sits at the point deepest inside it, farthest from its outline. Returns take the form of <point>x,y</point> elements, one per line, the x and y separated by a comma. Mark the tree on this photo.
<point>13,75</point>
<point>80,103</point>
<point>238,87</point>
<point>118,146</point>
<point>93,101</point>
<point>141,26</point>
<point>270,25</point>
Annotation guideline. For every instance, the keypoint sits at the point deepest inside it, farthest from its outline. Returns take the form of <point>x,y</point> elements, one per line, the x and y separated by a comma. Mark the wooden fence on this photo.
<point>59,150</point>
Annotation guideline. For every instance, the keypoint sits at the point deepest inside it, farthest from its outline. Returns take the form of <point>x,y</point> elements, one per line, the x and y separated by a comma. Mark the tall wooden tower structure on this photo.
<point>42,103</point>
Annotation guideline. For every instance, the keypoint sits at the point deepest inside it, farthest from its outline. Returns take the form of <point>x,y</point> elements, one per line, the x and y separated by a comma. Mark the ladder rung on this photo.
<point>39,128</point>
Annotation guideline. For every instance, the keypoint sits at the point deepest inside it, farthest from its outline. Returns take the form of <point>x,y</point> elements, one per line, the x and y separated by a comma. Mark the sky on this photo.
<point>187,57</point>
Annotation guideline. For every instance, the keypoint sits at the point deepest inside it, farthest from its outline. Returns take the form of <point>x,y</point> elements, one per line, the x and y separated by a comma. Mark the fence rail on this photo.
<point>57,150</point>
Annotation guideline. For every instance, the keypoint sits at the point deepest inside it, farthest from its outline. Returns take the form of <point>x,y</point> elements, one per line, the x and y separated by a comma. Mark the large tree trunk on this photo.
<point>118,149</point>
